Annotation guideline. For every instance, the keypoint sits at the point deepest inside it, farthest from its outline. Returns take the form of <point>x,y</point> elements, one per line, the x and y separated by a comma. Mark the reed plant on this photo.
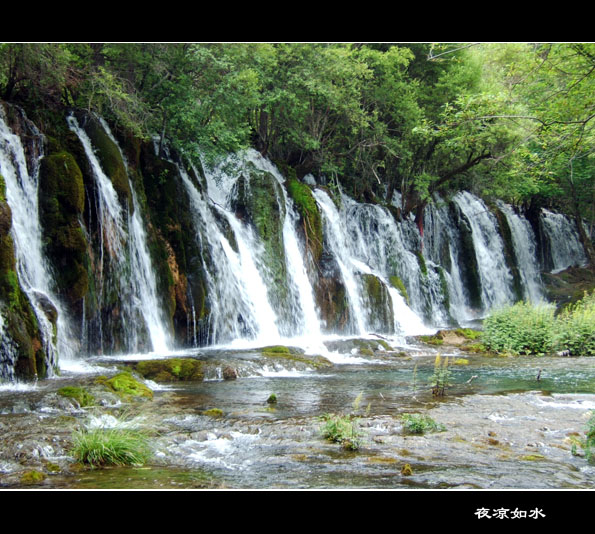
<point>441,378</point>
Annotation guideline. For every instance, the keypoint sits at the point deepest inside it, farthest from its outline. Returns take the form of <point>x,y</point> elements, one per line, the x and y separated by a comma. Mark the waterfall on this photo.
<point>565,247</point>
<point>34,273</point>
<point>8,355</point>
<point>365,239</point>
<point>525,249</point>
<point>392,280</point>
<point>238,296</point>
<point>495,276</point>
<point>334,228</point>
<point>442,247</point>
<point>122,238</point>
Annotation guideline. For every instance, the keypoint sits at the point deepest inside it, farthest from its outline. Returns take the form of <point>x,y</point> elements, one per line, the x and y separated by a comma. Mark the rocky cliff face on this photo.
<point>143,252</point>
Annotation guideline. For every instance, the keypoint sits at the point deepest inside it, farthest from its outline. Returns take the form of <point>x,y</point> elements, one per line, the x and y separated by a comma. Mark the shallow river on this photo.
<point>508,424</point>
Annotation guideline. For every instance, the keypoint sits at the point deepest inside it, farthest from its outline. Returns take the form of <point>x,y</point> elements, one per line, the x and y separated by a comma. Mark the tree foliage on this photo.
<point>512,120</point>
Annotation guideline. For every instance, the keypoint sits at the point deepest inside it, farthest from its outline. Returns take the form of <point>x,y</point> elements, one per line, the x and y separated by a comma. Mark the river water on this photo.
<point>509,423</point>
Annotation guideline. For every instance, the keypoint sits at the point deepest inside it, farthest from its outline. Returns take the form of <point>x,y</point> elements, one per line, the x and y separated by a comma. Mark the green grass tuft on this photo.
<point>111,446</point>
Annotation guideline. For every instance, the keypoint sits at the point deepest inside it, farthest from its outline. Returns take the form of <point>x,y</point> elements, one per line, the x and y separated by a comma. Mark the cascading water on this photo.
<point>525,249</point>
<point>249,275</point>
<point>564,243</point>
<point>337,242</point>
<point>143,278</point>
<point>495,276</point>
<point>122,238</point>
<point>34,274</point>
<point>366,240</point>
<point>376,239</point>
<point>368,248</point>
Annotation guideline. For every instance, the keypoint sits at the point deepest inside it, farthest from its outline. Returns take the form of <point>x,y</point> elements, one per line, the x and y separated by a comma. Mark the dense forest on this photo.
<point>512,121</point>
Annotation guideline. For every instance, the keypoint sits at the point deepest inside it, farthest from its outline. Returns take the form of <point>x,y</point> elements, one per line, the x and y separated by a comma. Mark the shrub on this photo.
<point>520,329</point>
<point>111,446</point>
<point>575,328</point>
<point>420,424</point>
<point>589,442</point>
<point>533,329</point>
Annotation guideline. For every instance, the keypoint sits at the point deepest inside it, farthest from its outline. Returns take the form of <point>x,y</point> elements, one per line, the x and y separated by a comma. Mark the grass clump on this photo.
<point>100,447</point>
<point>420,424</point>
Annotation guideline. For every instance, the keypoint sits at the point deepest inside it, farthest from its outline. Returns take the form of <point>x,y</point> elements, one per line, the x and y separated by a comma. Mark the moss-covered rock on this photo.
<point>379,304</point>
<point>214,412</point>
<point>468,260</point>
<point>310,216</point>
<point>61,206</point>
<point>258,200</point>
<point>398,284</point>
<point>110,158</point>
<point>126,386</point>
<point>28,357</point>
<point>33,477</point>
<point>293,354</point>
<point>79,394</point>
<point>171,370</point>
<point>509,252</point>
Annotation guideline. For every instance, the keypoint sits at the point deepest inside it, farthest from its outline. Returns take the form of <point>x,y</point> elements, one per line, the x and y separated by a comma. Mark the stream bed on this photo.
<point>508,423</point>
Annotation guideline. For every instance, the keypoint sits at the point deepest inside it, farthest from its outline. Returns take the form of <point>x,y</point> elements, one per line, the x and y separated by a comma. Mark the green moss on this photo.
<point>285,353</point>
<point>125,385</point>
<point>171,370</point>
<point>277,349</point>
<point>272,399</point>
<point>258,200</point>
<point>398,284</point>
<point>422,263</point>
<point>432,340</point>
<point>379,304</point>
<point>82,396</point>
<point>307,207</point>
<point>32,477</point>
<point>214,412</point>
<point>532,457</point>
<point>61,206</point>
<point>468,333</point>
<point>110,160</point>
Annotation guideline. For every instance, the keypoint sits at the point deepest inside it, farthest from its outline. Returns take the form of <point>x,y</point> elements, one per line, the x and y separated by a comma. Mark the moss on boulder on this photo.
<point>126,386</point>
<point>310,215</point>
<point>79,394</point>
<point>110,159</point>
<point>398,284</point>
<point>293,354</point>
<point>20,323</point>
<point>61,205</point>
<point>171,370</point>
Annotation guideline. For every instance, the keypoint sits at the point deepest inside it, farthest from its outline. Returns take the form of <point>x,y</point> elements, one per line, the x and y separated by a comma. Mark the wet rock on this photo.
<point>229,373</point>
